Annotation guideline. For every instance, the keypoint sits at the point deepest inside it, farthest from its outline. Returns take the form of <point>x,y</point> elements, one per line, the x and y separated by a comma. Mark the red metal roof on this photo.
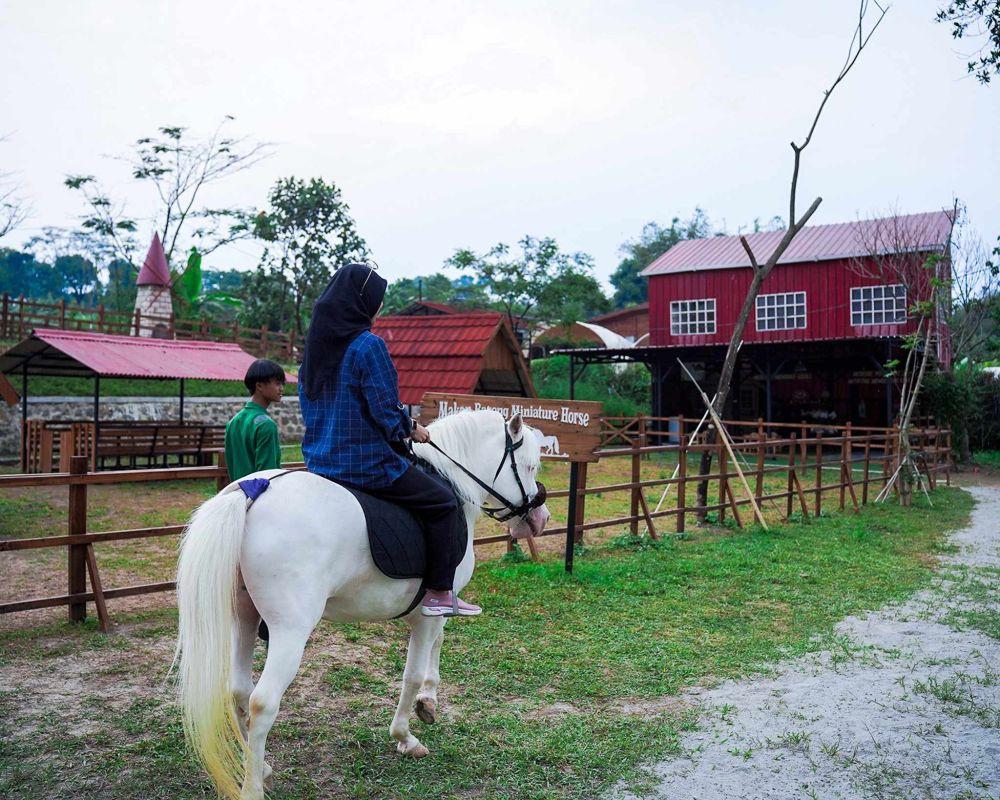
<point>58,352</point>
<point>155,271</point>
<point>921,232</point>
<point>442,353</point>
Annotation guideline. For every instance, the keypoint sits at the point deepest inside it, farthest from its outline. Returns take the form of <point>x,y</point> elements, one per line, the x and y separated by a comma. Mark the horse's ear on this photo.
<point>514,426</point>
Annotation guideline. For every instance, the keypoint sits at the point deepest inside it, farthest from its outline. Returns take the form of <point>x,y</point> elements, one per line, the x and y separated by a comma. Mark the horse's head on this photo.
<point>527,456</point>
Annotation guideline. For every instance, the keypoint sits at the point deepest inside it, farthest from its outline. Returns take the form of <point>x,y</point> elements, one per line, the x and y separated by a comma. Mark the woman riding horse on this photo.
<point>356,426</point>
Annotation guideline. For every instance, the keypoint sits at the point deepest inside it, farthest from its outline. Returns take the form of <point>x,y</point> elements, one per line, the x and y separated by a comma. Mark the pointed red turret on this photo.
<point>154,270</point>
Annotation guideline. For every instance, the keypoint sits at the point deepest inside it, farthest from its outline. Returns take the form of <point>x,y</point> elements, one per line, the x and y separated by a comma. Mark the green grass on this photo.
<point>530,689</point>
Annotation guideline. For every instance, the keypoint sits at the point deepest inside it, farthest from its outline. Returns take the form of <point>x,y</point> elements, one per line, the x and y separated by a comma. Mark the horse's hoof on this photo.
<point>417,751</point>
<point>426,710</point>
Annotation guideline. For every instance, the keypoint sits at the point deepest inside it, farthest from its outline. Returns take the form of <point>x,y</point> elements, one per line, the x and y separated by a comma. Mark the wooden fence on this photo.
<point>861,461</point>
<point>18,316</point>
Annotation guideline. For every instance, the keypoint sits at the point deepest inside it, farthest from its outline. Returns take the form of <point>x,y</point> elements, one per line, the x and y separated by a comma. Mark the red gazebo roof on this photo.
<point>85,354</point>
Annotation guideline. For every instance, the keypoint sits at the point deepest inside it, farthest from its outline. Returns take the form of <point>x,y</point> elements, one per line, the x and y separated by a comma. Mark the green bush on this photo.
<point>624,392</point>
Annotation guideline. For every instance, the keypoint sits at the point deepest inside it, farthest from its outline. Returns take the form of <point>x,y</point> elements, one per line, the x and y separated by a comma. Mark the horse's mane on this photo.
<point>460,435</point>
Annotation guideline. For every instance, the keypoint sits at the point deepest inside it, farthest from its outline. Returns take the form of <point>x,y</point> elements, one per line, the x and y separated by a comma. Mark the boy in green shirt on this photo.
<point>252,436</point>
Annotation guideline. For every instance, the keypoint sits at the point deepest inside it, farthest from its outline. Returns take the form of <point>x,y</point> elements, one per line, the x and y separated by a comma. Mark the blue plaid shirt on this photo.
<point>348,431</point>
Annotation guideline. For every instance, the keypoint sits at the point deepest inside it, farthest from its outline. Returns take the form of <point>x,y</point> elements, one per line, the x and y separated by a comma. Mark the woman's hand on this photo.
<point>420,434</point>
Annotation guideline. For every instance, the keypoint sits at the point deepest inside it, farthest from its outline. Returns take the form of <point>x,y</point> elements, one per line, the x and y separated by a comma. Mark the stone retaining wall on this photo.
<point>217,410</point>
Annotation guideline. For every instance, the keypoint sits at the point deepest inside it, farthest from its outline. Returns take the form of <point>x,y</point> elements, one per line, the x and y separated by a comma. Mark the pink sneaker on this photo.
<point>447,605</point>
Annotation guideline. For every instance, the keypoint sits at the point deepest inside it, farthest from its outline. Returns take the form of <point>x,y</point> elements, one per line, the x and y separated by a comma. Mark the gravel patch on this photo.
<point>906,704</point>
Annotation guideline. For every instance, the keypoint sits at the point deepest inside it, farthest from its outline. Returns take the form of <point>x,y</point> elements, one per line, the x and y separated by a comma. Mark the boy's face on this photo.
<point>271,390</point>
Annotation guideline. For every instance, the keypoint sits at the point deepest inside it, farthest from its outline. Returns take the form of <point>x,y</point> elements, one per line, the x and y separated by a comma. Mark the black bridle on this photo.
<point>508,510</point>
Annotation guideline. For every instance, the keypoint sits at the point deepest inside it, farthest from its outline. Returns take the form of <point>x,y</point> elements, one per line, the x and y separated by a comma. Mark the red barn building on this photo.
<point>826,321</point>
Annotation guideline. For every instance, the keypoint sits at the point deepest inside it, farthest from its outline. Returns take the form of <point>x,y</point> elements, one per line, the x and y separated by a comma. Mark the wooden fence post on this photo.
<point>819,474</point>
<point>723,478</point>
<point>947,455</point>
<point>844,438</point>
<point>867,472</point>
<point>20,317</point>
<point>634,505</point>
<point>682,457</point>
<point>759,488</point>
<point>77,527</point>
<point>6,316</point>
<point>222,481</point>
<point>138,322</point>
<point>581,502</point>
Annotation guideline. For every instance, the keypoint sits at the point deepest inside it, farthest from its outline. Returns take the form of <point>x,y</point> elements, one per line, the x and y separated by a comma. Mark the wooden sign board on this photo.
<point>571,428</point>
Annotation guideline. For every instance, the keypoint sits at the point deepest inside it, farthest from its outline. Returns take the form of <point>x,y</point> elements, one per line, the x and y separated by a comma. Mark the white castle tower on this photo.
<point>153,306</point>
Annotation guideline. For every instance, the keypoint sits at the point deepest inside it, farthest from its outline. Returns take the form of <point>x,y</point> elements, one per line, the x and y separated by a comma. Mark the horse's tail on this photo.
<point>206,586</point>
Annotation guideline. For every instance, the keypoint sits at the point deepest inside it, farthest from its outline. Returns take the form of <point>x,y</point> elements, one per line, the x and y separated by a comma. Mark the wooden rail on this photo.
<point>19,315</point>
<point>860,461</point>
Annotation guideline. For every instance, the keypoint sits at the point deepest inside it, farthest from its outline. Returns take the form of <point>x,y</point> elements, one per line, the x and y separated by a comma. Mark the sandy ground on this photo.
<point>906,704</point>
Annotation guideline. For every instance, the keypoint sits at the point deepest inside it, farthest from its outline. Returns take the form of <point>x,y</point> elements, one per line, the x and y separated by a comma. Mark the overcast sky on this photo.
<point>463,124</point>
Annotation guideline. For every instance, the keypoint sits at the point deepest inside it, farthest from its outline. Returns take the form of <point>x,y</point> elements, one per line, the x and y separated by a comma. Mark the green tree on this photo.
<point>572,294</point>
<point>120,289</point>
<point>309,233</point>
<point>79,278</point>
<point>654,241</point>
<point>977,20</point>
<point>178,168</point>
<point>435,288</point>
<point>21,273</point>
<point>523,283</point>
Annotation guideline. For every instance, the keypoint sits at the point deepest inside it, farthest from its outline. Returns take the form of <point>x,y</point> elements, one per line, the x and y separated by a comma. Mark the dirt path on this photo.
<point>906,704</point>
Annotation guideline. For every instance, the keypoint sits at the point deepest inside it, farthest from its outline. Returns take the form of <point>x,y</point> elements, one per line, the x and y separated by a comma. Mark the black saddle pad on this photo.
<point>395,536</point>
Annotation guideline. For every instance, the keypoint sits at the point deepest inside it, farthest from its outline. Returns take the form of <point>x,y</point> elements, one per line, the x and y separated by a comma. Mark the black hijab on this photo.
<point>343,312</point>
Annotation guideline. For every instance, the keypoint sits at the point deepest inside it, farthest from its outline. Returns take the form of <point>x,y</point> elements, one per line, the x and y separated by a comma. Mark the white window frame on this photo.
<point>878,305</point>
<point>692,317</point>
<point>781,307</point>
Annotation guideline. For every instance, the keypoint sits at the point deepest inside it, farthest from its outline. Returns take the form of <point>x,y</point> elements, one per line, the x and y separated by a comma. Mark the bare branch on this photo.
<point>746,246</point>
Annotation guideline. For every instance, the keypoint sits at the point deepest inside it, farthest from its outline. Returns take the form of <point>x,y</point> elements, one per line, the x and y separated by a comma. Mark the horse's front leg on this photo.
<point>423,633</point>
<point>426,706</point>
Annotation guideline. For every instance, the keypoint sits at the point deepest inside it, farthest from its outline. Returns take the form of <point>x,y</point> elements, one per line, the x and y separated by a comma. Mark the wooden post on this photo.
<point>100,318</point>
<point>97,587</point>
<point>20,317</point>
<point>819,474</point>
<point>62,314</point>
<point>263,341</point>
<point>581,500</point>
<point>634,505</point>
<point>5,319</point>
<point>681,483</point>
<point>723,478</point>
<point>947,455</point>
<point>574,467</point>
<point>222,481</point>
<point>790,477</point>
<point>77,527</point>
<point>867,473</point>
<point>759,488</point>
<point>138,322</point>
<point>845,437</point>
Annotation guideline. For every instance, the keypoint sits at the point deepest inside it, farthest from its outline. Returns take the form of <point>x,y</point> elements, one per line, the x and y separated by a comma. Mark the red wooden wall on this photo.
<point>827,285</point>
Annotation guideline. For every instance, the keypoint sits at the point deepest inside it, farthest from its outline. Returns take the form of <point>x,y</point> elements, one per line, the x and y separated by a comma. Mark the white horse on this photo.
<point>299,555</point>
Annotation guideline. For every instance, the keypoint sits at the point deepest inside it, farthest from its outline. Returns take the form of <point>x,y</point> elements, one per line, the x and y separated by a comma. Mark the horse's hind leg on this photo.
<point>426,706</point>
<point>244,639</point>
<point>284,655</point>
<point>423,633</point>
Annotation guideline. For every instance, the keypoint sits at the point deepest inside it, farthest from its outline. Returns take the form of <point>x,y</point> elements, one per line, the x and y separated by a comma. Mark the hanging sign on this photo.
<point>569,429</point>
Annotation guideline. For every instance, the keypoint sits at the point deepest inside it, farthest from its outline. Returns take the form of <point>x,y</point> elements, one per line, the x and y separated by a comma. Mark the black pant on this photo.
<point>432,502</point>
